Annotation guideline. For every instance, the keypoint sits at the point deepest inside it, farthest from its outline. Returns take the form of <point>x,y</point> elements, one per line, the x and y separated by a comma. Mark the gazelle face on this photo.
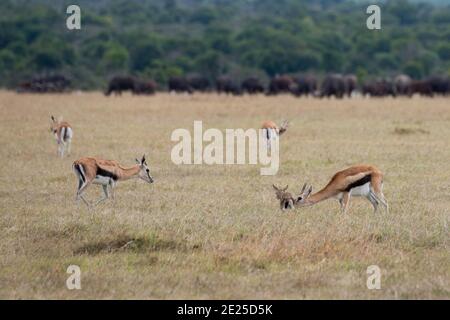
<point>144,172</point>
<point>54,125</point>
<point>286,198</point>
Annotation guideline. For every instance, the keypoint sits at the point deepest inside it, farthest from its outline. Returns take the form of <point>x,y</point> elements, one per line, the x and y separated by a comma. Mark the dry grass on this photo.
<point>216,231</point>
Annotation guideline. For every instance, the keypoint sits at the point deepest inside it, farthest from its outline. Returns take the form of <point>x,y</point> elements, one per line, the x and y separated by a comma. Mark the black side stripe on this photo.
<point>105,173</point>
<point>359,182</point>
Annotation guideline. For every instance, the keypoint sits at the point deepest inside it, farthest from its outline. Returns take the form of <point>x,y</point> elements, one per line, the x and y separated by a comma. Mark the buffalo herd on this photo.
<point>132,84</point>
<point>403,85</point>
<point>54,83</point>
<point>330,85</point>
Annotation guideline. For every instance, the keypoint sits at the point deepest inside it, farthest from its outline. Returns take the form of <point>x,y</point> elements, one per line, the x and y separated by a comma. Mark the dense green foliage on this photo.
<point>160,38</point>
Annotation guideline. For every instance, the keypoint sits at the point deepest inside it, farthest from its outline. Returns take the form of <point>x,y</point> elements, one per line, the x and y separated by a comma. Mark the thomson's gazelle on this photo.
<point>106,173</point>
<point>272,131</point>
<point>361,180</point>
<point>63,134</point>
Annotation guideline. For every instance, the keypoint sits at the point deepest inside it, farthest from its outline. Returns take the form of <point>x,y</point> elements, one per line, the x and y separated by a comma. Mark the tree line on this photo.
<point>160,39</point>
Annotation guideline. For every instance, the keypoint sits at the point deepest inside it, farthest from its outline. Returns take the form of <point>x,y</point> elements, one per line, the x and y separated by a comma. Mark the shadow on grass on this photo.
<point>408,131</point>
<point>126,243</point>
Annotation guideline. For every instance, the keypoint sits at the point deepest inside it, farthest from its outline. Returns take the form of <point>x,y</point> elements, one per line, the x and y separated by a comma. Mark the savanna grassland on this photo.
<point>217,231</point>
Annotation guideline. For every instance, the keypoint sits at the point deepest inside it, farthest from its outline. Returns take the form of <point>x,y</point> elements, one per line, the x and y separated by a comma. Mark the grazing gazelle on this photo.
<point>63,134</point>
<point>272,131</point>
<point>106,173</point>
<point>360,180</point>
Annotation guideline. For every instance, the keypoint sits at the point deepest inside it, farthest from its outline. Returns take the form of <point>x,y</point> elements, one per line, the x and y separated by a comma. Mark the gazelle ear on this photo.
<point>285,188</point>
<point>137,161</point>
<point>275,187</point>
<point>143,159</point>
<point>53,118</point>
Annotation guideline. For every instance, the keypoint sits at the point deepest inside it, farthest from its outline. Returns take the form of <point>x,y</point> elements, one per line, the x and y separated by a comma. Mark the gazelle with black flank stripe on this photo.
<point>63,133</point>
<point>106,173</point>
<point>272,131</point>
<point>360,180</point>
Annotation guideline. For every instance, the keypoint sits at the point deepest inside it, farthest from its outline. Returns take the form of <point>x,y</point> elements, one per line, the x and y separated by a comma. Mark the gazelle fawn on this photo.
<point>360,180</point>
<point>63,133</point>
<point>106,173</point>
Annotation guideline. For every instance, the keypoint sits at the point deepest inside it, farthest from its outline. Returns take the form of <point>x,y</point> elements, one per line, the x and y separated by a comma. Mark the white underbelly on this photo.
<point>101,180</point>
<point>360,191</point>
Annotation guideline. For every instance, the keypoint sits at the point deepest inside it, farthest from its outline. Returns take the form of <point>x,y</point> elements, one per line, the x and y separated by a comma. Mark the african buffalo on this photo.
<point>145,87</point>
<point>422,87</point>
<point>439,84</point>
<point>403,85</point>
<point>120,83</point>
<point>304,85</point>
<point>199,83</point>
<point>351,84</point>
<point>226,85</point>
<point>333,84</point>
<point>252,86</point>
<point>179,84</point>
<point>45,83</point>
<point>379,88</point>
<point>280,84</point>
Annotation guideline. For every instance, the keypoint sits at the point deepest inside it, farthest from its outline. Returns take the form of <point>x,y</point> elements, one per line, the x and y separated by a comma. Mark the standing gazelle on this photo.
<point>106,173</point>
<point>360,180</point>
<point>272,131</point>
<point>63,134</point>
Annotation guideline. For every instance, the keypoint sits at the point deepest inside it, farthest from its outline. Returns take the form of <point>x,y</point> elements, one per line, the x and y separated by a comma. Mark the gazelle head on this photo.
<point>53,125</point>
<point>144,172</point>
<point>286,199</point>
<point>284,126</point>
<point>303,196</point>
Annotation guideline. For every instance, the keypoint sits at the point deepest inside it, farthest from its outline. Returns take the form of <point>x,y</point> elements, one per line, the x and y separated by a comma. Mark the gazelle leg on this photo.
<point>82,186</point>
<point>61,148</point>
<point>83,183</point>
<point>85,201</point>
<point>105,194</point>
<point>377,191</point>
<point>379,198</point>
<point>80,196</point>
<point>105,190</point>
<point>373,200</point>
<point>345,201</point>
<point>111,188</point>
<point>383,199</point>
<point>384,202</point>
<point>69,142</point>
